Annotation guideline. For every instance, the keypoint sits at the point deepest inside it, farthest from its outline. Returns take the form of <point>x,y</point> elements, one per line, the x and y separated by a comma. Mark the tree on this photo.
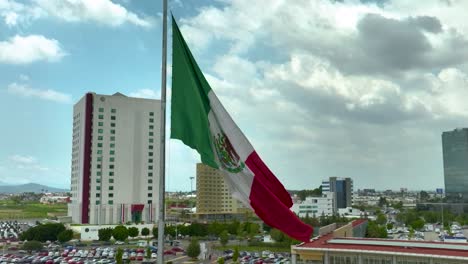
<point>277,235</point>
<point>235,255</point>
<point>65,236</point>
<point>382,201</point>
<point>376,231</point>
<point>105,234</point>
<point>154,232</point>
<point>389,226</point>
<point>120,233</point>
<point>145,231</point>
<point>43,232</point>
<point>148,253</point>
<point>417,224</point>
<point>32,245</point>
<point>224,238</point>
<point>220,260</point>
<point>381,219</point>
<point>424,196</point>
<point>118,256</point>
<point>133,232</point>
<point>193,249</point>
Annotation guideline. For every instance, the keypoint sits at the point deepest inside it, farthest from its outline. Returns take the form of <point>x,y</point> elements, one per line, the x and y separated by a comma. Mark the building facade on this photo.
<point>214,200</point>
<point>315,206</point>
<point>342,189</point>
<point>346,245</point>
<point>455,156</point>
<point>115,160</point>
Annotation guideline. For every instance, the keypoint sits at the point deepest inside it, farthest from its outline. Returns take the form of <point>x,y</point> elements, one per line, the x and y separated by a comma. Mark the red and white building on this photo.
<point>115,160</point>
<point>340,247</point>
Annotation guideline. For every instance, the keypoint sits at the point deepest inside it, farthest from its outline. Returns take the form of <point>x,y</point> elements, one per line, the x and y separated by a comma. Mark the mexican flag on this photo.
<point>199,119</point>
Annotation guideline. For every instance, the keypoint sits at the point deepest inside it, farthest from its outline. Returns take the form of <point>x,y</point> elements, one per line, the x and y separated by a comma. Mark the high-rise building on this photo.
<point>115,160</point>
<point>342,189</point>
<point>455,155</point>
<point>214,200</point>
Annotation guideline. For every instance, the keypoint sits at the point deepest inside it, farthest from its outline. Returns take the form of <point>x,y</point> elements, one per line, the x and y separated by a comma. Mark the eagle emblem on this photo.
<point>227,156</point>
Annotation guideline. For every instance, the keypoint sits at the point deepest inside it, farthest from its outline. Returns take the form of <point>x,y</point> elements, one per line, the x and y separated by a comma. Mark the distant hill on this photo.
<point>29,187</point>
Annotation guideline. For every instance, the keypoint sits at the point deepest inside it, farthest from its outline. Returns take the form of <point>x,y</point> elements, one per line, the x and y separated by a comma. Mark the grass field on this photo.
<point>29,210</point>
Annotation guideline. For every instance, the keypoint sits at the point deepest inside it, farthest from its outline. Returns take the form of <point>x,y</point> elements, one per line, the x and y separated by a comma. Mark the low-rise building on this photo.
<point>346,245</point>
<point>315,206</point>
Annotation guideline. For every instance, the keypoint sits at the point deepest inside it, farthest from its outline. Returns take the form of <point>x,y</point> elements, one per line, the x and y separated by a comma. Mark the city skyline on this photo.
<point>372,109</point>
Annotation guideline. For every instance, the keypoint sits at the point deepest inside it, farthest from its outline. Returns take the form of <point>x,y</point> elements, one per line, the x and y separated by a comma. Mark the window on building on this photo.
<point>99,145</point>
<point>151,113</point>
<point>99,151</point>
<point>151,120</point>
<point>100,123</point>
<point>112,131</point>
<point>111,188</point>
<point>98,180</point>
<point>113,117</point>
<point>112,138</point>
<point>100,130</point>
<point>150,188</point>
<point>111,195</point>
<point>151,140</point>
<point>100,137</point>
<point>112,124</point>
<point>113,110</point>
<point>150,161</point>
<point>98,195</point>
<point>101,110</point>
<point>98,188</point>
<point>98,173</point>
<point>101,116</point>
<point>112,152</point>
<point>150,167</point>
<point>111,173</point>
<point>111,202</point>
<point>150,174</point>
<point>150,146</point>
<point>111,159</point>
<point>111,166</point>
<point>151,127</point>
<point>97,202</point>
<point>99,158</point>
<point>111,180</point>
<point>150,181</point>
<point>151,133</point>
<point>150,195</point>
<point>112,145</point>
<point>150,202</point>
<point>150,154</point>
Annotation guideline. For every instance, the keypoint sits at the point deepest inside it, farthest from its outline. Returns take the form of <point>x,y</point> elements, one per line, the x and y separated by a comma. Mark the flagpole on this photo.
<point>162,154</point>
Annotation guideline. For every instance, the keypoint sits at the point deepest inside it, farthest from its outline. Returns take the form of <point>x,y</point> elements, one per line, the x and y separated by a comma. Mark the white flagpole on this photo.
<point>162,155</point>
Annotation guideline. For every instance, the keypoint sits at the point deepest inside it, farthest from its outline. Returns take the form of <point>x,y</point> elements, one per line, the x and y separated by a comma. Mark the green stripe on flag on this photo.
<point>189,104</point>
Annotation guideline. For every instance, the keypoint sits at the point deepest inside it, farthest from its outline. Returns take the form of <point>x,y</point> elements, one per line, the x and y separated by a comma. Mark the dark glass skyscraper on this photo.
<point>455,152</point>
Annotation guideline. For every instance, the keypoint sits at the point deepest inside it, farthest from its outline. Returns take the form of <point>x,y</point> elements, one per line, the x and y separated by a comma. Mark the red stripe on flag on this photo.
<point>270,207</point>
<point>268,179</point>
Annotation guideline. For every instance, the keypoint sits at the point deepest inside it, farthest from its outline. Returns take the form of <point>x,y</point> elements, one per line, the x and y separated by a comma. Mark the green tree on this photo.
<point>148,253</point>
<point>118,256</point>
<point>224,238</point>
<point>424,196</point>
<point>389,226</point>
<point>105,234</point>
<point>154,232</point>
<point>145,231</point>
<point>65,236</point>
<point>382,202</point>
<point>220,260</point>
<point>32,246</point>
<point>277,235</point>
<point>417,224</point>
<point>381,219</point>
<point>376,231</point>
<point>235,255</point>
<point>120,233</point>
<point>133,232</point>
<point>193,249</point>
<point>43,232</point>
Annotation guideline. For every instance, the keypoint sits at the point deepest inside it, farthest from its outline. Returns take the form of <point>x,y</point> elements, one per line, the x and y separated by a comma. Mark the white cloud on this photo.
<point>49,95</point>
<point>23,159</point>
<point>145,93</point>
<point>100,11</point>
<point>29,49</point>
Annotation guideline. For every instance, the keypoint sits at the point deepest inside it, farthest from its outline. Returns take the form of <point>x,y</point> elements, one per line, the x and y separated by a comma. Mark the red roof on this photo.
<point>327,242</point>
<point>358,222</point>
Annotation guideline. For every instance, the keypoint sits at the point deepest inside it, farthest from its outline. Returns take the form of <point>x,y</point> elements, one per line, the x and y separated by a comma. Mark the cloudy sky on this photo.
<point>359,89</point>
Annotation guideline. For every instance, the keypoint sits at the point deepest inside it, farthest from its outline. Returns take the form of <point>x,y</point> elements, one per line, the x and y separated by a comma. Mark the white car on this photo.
<point>154,255</point>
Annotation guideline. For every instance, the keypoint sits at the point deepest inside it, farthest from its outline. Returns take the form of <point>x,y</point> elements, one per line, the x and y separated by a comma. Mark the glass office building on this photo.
<point>455,155</point>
